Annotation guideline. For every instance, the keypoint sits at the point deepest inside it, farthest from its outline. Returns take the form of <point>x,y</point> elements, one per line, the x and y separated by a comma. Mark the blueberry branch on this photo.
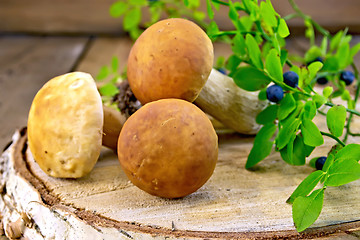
<point>226,33</point>
<point>227,4</point>
<point>322,30</point>
<point>333,137</point>
<point>347,127</point>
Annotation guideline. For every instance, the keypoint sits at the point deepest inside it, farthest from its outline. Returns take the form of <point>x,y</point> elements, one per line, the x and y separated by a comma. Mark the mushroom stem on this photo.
<point>232,106</point>
<point>113,122</point>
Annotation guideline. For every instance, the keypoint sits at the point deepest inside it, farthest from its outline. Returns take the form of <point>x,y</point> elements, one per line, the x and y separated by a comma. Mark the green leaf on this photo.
<point>273,65</point>
<point>311,133</point>
<point>246,22</point>
<point>286,106</point>
<point>283,56</point>
<point>193,3</point>
<point>305,149</point>
<point>313,70</point>
<point>335,40</point>
<point>309,32</point>
<point>327,91</point>
<point>132,18</point>
<point>283,29</point>
<point>104,72</point>
<point>268,115</point>
<point>349,152</point>
<point>275,43</point>
<point>295,114</point>
<point>138,2</point>
<point>287,153</point>
<point>254,51</point>
<point>354,50</point>
<point>210,11</point>
<point>306,186</point>
<point>262,94</point>
<point>342,172</point>
<point>324,45</point>
<point>331,64</point>
<point>309,110</point>
<point>250,78</point>
<point>239,45</point>
<point>312,53</point>
<point>155,12</point>
<point>329,161</point>
<point>343,54</point>
<point>212,29</point>
<point>319,100</point>
<point>199,15</point>
<point>296,151</point>
<point>233,14</point>
<point>268,14</point>
<point>232,63</point>
<point>262,145</point>
<point>114,64</point>
<point>108,89</point>
<point>286,132</point>
<point>335,119</point>
<point>306,210</point>
<point>117,9</point>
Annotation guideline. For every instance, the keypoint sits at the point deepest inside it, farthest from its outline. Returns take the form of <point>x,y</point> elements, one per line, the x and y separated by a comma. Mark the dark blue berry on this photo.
<point>347,76</point>
<point>274,93</point>
<point>318,59</point>
<point>319,164</point>
<point>222,70</point>
<point>322,80</point>
<point>291,78</point>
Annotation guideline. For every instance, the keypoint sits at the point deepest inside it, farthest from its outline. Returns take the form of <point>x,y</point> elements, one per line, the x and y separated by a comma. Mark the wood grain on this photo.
<point>26,63</point>
<point>234,204</point>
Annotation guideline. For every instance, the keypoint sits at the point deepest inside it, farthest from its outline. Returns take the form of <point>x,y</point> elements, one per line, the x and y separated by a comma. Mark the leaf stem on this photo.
<point>333,137</point>
<point>322,30</point>
<point>348,124</point>
<point>261,30</point>
<point>227,4</point>
<point>226,33</point>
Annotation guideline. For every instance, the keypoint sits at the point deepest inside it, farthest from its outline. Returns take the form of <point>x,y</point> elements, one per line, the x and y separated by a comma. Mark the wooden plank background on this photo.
<point>92,16</point>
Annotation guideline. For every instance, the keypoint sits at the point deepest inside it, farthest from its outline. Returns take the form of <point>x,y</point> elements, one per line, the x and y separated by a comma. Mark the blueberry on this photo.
<point>274,93</point>
<point>222,70</point>
<point>347,76</point>
<point>322,80</point>
<point>318,59</point>
<point>319,164</point>
<point>291,78</point>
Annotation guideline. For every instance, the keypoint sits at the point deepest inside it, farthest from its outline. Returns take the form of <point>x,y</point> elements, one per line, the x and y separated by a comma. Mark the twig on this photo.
<point>333,137</point>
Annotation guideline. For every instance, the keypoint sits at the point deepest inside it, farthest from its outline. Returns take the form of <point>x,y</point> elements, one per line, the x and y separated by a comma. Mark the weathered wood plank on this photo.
<point>92,16</point>
<point>60,16</point>
<point>26,63</point>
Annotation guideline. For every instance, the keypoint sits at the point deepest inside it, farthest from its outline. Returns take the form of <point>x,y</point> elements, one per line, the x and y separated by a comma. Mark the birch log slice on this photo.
<point>234,204</point>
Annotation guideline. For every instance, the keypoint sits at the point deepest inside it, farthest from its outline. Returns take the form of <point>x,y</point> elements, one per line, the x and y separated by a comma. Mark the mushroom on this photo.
<point>65,125</point>
<point>173,58</point>
<point>168,148</point>
<point>234,107</point>
<point>113,122</point>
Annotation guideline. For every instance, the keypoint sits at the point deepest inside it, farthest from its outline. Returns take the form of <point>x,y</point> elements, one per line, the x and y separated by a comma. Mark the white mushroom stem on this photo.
<point>232,106</point>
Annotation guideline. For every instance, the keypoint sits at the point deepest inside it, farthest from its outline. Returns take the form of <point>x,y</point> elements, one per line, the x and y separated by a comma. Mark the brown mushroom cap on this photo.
<point>65,125</point>
<point>171,59</point>
<point>168,148</point>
